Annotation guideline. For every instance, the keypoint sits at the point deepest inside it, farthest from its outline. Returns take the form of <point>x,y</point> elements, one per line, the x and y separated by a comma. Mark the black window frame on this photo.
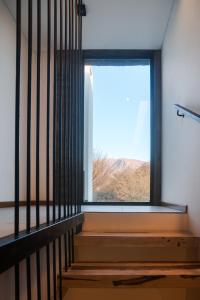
<point>154,56</point>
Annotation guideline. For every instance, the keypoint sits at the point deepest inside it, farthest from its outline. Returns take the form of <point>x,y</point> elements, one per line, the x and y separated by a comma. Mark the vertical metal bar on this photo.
<point>17,137</point>
<point>17,112</point>
<point>28,182</point>
<point>81,74</point>
<point>38,270</point>
<point>60,115</point>
<point>72,244</point>
<point>48,106</point>
<point>28,278</point>
<point>38,114</point>
<point>69,248</point>
<point>72,108</point>
<point>48,141</point>
<point>67,57</point>
<point>79,122</point>
<point>79,115</point>
<point>66,251</point>
<point>69,117</point>
<point>60,265</point>
<point>76,112</point>
<point>54,271</point>
<point>54,111</point>
<point>81,111</point>
<point>48,272</point>
<point>17,282</point>
<point>65,111</point>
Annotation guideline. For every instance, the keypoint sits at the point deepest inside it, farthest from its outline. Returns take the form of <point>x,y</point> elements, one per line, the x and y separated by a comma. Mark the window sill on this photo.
<point>165,208</point>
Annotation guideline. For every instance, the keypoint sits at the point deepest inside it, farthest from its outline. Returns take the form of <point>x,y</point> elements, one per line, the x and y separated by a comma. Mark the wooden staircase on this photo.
<point>134,260</point>
<point>178,267</point>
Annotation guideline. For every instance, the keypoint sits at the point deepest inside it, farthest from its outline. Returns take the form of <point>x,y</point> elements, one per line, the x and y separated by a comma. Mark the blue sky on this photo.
<point>121,111</point>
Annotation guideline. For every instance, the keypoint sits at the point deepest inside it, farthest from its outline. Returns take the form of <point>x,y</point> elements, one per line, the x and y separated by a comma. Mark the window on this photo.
<point>122,144</point>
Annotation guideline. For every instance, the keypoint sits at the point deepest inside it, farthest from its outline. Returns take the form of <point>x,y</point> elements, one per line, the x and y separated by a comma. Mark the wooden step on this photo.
<point>121,247</point>
<point>133,275</point>
<point>135,222</point>
<point>152,239</point>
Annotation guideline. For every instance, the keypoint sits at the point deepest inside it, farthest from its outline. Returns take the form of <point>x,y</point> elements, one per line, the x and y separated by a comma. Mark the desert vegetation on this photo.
<point>120,179</point>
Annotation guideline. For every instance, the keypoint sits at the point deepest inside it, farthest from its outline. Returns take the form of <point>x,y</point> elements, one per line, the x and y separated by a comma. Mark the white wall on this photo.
<point>181,84</point>
<point>7,104</point>
<point>7,112</point>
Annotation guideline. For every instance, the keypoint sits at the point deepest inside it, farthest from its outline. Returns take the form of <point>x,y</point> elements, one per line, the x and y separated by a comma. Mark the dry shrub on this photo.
<point>127,184</point>
<point>101,170</point>
<point>132,185</point>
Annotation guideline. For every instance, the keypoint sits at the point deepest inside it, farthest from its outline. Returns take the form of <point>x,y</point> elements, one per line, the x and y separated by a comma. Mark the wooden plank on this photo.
<point>133,265</point>
<point>154,277</point>
<point>140,271</point>
<point>134,282</point>
<point>158,281</point>
<point>176,240</point>
<point>137,234</point>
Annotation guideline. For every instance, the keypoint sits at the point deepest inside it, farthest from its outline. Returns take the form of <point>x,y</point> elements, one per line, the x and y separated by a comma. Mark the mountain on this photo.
<point>121,164</point>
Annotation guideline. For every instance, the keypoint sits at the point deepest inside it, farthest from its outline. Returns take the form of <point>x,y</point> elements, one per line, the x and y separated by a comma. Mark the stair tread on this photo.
<point>132,265</point>
<point>133,275</point>
<point>136,269</point>
<point>135,234</point>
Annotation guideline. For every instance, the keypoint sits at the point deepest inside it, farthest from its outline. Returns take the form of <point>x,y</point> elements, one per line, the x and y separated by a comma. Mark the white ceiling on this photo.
<point>114,24</point>
<point>129,24</point>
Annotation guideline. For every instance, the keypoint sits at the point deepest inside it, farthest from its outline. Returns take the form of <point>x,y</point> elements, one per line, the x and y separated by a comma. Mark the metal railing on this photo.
<point>64,124</point>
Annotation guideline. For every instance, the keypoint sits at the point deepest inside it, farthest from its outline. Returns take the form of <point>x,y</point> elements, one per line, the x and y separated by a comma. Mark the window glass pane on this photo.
<point>119,125</point>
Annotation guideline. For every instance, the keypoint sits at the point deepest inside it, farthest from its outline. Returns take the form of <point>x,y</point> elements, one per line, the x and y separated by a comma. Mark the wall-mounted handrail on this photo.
<point>186,112</point>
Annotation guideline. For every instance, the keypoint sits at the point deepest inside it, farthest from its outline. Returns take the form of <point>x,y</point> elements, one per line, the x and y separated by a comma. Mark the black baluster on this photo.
<point>70,114</point>
<point>28,177</point>
<point>48,272</point>
<point>54,270</point>
<point>54,111</point>
<point>65,77</point>
<point>48,108</point>
<point>17,112</point>
<point>60,266</point>
<point>66,251</point>
<point>17,282</point>
<point>38,274</point>
<point>28,277</point>
<point>38,114</point>
<point>60,117</point>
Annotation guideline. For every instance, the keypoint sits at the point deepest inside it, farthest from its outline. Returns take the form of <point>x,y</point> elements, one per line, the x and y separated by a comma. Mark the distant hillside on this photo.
<point>121,179</point>
<point>122,163</point>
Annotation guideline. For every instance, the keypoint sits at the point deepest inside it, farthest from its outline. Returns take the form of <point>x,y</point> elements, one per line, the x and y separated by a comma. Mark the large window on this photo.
<point>119,137</point>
